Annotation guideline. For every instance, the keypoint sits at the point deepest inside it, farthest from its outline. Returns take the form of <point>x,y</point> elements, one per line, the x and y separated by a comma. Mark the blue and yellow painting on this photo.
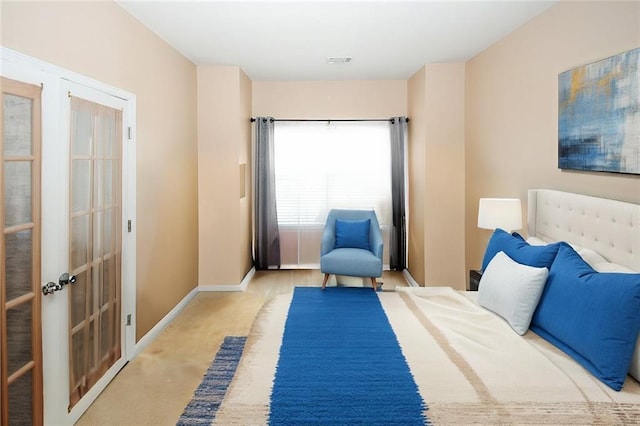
<point>599,115</point>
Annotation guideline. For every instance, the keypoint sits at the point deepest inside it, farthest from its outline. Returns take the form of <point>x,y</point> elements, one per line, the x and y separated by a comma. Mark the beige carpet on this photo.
<point>154,388</point>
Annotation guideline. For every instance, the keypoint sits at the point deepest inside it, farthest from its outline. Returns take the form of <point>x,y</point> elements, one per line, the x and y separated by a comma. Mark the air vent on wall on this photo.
<point>336,60</point>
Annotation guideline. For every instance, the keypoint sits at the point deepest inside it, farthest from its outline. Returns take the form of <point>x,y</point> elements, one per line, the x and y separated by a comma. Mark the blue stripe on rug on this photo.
<point>340,363</point>
<point>211,391</point>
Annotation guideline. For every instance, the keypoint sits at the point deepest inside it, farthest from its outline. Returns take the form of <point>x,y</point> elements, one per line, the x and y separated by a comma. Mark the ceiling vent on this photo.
<point>336,60</point>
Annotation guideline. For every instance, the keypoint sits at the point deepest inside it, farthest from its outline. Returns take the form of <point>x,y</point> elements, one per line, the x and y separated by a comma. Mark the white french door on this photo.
<point>87,235</point>
<point>87,251</point>
<point>20,327</point>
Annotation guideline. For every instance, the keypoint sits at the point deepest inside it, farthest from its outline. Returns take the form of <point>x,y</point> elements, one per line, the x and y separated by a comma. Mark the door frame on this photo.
<point>54,79</point>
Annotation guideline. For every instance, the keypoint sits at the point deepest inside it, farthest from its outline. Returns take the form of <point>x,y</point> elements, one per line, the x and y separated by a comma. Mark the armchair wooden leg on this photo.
<point>324,281</point>
<point>374,284</point>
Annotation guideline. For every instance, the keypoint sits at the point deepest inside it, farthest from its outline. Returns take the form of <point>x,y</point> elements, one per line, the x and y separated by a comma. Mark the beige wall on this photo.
<point>436,175</point>
<point>512,107</point>
<point>224,136</point>
<point>100,40</point>
<point>246,204</point>
<point>330,99</point>
<point>416,154</point>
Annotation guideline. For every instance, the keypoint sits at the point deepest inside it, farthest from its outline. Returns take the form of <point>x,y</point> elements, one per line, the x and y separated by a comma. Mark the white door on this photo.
<point>87,189</point>
<point>84,232</point>
<point>20,327</point>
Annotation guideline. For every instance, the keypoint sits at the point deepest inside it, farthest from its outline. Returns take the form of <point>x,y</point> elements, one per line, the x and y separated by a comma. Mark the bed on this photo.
<point>473,364</point>
<point>534,380</point>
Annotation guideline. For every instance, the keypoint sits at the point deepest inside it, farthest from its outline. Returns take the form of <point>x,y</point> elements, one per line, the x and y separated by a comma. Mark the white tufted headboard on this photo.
<point>609,227</point>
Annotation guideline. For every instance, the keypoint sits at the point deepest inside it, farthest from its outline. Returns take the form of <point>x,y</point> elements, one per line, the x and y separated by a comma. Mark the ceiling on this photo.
<point>291,40</point>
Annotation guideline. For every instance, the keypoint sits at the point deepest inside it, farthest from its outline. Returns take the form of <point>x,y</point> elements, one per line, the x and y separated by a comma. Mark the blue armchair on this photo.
<point>351,245</point>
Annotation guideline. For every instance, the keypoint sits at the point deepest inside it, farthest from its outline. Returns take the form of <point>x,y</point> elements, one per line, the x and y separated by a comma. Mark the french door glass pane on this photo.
<point>107,277</point>
<point>106,342</point>
<point>17,112</point>
<point>98,223</point>
<point>108,134</point>
<point>78,355</point>
<point>98,184</point>
<point>107,231</point>
<point>79,299</point>
<point>79,241</point>
<point>81,189</point>
<point>108,182</point>
<point>17,192</point>
<point>91,345</point>
<point>81,133</point>
<point>21,401</point>
<point>19,327</point>
<point>94,294</point>
<point>19,272</point>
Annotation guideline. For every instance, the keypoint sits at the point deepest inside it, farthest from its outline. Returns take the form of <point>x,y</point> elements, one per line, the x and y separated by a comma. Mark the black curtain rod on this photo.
<point>330,119</point>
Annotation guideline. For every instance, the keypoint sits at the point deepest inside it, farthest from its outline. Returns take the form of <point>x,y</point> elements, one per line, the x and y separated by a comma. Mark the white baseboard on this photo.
<point>409,278</point>
<point>220,287</point>
<point>157,329</point>
<point>230,287</point>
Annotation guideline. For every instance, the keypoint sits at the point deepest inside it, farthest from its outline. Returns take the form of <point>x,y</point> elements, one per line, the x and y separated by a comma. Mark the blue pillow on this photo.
<point>352,233</point>
<point>593,317</point>
<point>519,250</point>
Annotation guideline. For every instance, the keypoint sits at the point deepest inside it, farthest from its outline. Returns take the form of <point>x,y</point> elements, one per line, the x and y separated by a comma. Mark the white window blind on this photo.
<point>324,165</point>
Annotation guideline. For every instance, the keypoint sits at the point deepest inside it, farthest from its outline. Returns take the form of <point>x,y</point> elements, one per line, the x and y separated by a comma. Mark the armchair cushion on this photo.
<point>364,260</point>
<point>352,233</point>
<point>351,261</point>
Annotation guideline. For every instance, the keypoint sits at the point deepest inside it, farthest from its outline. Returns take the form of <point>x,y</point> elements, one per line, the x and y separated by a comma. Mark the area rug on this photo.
<point>340,363</point>
<point>207,398</point>
<point>467,364</point>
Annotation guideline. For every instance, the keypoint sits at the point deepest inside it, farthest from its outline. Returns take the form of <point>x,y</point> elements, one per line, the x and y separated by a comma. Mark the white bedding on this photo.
<point>472,367</point>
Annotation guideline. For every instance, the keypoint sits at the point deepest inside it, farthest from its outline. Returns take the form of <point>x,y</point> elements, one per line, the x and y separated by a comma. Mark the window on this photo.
<point>325,165</point>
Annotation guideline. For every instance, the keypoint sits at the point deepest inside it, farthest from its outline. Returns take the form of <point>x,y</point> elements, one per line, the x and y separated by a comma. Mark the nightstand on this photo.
<point>474,279</point>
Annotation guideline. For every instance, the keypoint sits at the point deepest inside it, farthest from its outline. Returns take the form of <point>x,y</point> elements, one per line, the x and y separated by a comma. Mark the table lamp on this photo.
<point>503,213</point>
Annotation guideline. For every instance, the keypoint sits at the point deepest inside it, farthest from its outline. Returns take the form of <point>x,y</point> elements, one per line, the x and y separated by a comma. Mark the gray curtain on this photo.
<point>398,237</point>
<point>267,244</point>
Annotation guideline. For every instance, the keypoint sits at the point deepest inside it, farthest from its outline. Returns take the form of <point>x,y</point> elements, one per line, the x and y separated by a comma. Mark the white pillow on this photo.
<point>588,255</point>
<point>535,241</point>
<point>612,267</point>
<point>512,290</point>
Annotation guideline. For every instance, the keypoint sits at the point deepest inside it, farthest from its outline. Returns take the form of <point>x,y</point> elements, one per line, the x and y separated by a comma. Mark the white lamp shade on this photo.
<point>503,213</point>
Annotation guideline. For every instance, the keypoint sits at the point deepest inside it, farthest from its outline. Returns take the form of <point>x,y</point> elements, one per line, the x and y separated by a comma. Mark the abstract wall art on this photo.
<point>599,115</point>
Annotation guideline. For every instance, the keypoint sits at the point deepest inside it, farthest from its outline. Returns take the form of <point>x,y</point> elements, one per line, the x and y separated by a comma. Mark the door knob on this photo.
<point>50,288</point>
<point>66,279</point>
